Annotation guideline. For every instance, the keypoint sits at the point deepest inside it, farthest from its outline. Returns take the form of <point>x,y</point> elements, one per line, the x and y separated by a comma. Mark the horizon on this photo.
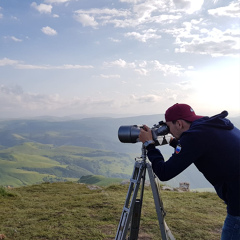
<point>80,117</point>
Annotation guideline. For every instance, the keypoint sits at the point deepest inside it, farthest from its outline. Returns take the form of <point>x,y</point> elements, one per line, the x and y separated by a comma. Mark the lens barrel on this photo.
<point>129,134</point>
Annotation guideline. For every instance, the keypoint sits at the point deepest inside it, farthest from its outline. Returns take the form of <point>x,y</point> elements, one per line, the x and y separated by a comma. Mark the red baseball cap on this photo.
<point>181,111</point>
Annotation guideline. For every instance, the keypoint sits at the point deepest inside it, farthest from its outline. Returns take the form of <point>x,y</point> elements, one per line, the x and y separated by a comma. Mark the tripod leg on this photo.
<point>127,213</point>
<point>136,216</point>
<point>165,231</point>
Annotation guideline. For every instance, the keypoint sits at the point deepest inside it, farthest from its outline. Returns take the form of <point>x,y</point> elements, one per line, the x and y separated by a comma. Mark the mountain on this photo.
<point>36,150</point>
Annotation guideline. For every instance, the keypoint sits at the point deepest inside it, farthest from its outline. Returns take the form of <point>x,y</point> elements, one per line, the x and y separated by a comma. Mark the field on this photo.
<point>76,211</point>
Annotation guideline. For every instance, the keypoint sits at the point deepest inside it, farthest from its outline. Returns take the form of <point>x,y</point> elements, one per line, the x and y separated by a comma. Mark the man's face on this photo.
<point>175,128</point>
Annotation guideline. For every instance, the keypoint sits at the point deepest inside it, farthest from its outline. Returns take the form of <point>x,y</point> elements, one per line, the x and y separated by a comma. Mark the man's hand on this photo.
<point>145,134</point>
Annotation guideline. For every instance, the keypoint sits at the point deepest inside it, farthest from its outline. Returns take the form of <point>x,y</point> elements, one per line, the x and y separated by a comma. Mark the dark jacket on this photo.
<point>213,145</point>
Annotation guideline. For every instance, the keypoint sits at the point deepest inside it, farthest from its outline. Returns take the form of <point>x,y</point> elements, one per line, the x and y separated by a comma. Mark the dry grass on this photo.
<point>72,211</point>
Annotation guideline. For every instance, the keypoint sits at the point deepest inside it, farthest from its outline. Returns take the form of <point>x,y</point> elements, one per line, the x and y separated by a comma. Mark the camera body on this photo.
<point>130,133</point>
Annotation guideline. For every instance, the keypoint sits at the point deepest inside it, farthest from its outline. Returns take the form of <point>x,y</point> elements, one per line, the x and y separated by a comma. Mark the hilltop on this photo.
<point>73,211</point>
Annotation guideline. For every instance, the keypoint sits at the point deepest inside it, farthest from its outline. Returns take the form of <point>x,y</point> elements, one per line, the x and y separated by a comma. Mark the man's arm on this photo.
<point>184,155</point>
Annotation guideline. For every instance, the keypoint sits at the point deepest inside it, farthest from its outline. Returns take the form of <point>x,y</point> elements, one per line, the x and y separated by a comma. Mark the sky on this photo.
<point>118,58</point>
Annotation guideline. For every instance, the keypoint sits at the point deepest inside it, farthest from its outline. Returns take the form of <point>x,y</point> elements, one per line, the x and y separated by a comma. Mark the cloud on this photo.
<point>86,20</point>
<point>197,37</point>
<point>167,69</point>
<point>16,39</point>
<point>114,40</point>
<point>152,19</point>
<point>19,65</point>
<point>189,6</point>
<point>6,62</point>
<point>56,1</point>
<point>145,67</point>
<point>131,1</point>
<point>120,63</point>
<point>15,102</point>
<point>14,99</point>
<point>232,10</point>
<point>142,71</point>
<point>109,76</point>
<point>42,8</point>
<point>148,98</point>
<point>49,31</point>
<point>147,34</point>
<point>214,42</point>
<point>93,17</point>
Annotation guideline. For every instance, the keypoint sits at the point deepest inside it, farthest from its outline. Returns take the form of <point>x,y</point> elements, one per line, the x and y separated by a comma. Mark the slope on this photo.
<point>31,163</point>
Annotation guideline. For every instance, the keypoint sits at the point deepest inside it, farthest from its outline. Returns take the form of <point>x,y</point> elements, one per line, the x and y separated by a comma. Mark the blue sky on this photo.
<point>118,58</point>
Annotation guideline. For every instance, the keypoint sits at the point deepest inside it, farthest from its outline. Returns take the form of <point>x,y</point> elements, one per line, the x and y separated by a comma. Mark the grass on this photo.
<point>72,211</point>
<point>30,163</point>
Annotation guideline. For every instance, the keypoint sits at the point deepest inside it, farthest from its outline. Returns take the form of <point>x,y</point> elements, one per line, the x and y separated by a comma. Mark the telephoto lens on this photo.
<point>130,133</point>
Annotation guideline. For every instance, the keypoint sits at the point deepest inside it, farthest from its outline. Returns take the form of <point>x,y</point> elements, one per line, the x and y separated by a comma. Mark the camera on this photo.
<point>130,133</point>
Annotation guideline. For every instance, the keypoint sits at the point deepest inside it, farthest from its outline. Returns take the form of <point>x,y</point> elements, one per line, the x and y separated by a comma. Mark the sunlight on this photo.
<point>218,90</point>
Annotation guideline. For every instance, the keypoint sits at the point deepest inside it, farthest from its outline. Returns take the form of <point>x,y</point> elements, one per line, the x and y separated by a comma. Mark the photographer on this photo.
<point>213,145</point>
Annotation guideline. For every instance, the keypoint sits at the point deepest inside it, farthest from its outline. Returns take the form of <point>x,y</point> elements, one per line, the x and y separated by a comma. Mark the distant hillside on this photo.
<point>73,211</point>
<point>39,150</point>
<point>30,163</point>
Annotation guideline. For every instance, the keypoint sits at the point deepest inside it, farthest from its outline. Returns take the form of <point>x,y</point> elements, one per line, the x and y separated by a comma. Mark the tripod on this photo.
<point>130,218</point>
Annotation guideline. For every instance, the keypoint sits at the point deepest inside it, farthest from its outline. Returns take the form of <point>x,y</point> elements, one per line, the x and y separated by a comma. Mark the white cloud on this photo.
<point>109,76</point>
<point>214,42</point>
<point>15,102</point>
<point>16,39</point>
<point>168,69</point>
<point>86,20</point>
<point>6,62</point>
<point>49,31</point>
<point>42,8</point>
<point>142,71</point>
<point>56,1</point>
<point>148,98</point>
<point>190,6</point>
<point>93,17</point>
<point>15,99</point>
<point>131,1</point>
<point>232,10</point>
<point>20,65</point>
<point>146,35</point>
<point>114,40</point>
<point>120,63</point>
<point>105,12</point>
<point>197,37</point>
<point>145,67</point>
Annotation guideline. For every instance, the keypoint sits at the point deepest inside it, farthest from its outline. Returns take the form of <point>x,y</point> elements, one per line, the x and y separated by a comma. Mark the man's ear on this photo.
<point>180,124</point>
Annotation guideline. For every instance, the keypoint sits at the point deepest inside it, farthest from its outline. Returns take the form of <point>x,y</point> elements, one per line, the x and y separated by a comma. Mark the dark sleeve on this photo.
<point>185,154</point>
<point>174,143</point>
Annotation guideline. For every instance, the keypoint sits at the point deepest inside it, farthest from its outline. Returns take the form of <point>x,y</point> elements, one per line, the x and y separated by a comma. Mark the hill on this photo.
<point>31,163</point>
<point>73,211</point>
<point>37,150</point>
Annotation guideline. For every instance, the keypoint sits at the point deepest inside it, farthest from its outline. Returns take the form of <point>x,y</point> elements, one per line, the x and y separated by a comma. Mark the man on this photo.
<point>213,145</point>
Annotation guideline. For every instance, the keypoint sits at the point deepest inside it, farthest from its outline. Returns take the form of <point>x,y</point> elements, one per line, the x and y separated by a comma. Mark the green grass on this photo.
<point>73,211</point>
<point>31,163</point>
<point>99,180</point>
